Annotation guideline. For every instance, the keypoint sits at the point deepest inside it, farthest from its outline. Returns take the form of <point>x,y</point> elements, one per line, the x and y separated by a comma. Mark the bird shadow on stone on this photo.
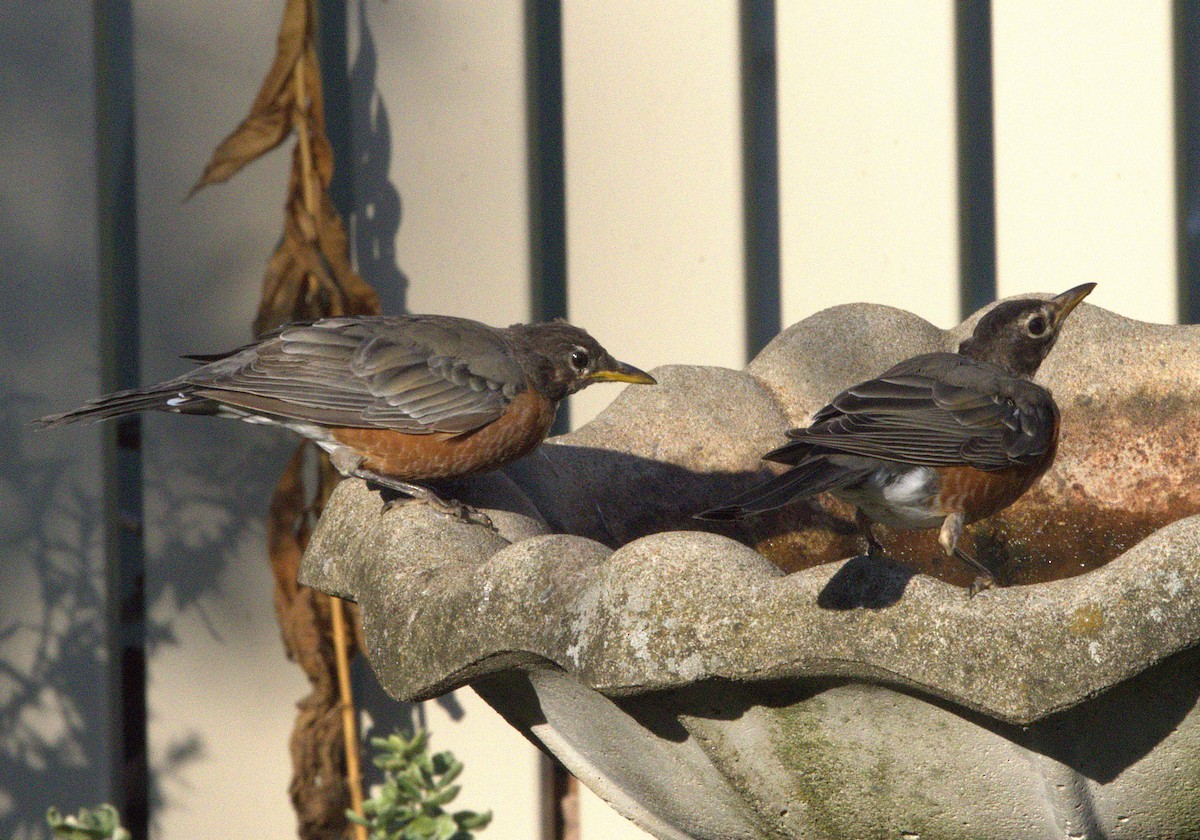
<point>664,712</point>
<point>863,581</point>
<point>615,497</point>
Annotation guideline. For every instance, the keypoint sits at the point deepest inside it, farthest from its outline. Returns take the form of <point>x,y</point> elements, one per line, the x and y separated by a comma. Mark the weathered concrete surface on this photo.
<point>706,694</point>
<point>672,608</point>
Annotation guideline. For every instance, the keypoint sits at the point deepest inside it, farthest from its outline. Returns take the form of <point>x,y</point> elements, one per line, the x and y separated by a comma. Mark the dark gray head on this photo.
<point>561,359</point>
<point>1018,334</point>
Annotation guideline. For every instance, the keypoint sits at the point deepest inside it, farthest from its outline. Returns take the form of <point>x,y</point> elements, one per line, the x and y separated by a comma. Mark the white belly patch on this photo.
<point>898,499</point>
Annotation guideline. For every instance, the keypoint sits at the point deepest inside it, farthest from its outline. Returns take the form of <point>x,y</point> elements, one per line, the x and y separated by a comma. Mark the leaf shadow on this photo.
<point>378,207</point>
<point>54,705</point>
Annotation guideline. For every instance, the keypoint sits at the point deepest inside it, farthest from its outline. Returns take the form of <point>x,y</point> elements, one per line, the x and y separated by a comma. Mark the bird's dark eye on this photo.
<point>1036,326</point>
<point>580,359</point>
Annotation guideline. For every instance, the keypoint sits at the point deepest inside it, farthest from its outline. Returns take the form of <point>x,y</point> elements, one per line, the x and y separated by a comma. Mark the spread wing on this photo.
<point>416,374</point>
<point>935,410</point>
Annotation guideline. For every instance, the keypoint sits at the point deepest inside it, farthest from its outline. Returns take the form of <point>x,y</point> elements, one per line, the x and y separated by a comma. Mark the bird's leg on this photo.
<point>424,495</point>
<point>349,463</point>
<point>948,538</point>
<point>874,548</point>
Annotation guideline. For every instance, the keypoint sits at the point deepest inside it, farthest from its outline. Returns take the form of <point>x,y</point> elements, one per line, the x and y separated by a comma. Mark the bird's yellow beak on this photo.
<point>1068,300</point>
<point>623,373</point>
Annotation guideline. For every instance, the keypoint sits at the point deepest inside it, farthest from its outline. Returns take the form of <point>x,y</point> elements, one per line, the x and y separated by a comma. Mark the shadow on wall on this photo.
<point>53,714</point>
<point>375,221</point>
<point>211,490</point>
<point>52,736</point>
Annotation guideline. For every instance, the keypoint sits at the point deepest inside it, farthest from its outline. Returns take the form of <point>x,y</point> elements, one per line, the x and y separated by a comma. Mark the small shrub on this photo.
<point>102,823</point>
<point>409,805</point>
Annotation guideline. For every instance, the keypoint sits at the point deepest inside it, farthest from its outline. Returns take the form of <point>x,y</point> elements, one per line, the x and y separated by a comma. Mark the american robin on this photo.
<point>393,400</point>
<point>940,440</point>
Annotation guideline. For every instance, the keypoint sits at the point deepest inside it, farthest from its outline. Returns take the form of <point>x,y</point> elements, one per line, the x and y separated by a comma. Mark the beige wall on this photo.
<point>654,182</point>
<point>868,195</point>
<point>1085,167</point>
<point>1084,192</point>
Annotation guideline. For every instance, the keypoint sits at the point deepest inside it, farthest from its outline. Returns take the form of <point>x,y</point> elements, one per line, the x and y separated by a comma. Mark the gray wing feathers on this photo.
<point>910,416</point>
<point>379,372</point>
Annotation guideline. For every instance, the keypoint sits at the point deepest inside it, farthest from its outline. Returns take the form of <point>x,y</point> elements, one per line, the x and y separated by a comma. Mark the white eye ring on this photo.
<point>1037,326</point>
<point>579,359</point>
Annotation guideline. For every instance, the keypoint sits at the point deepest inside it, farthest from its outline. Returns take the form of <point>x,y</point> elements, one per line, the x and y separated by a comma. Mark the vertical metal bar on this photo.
<point>121,459</point>
<point>1187,157</point>
<point>547,255</point>
<point>547,173</point>
<point>760,173</point>
<point>547,264</point>
<point>976,155</point>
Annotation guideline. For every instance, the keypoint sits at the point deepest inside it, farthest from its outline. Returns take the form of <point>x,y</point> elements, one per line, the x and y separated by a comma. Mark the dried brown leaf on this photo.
<point>314,116</point>
<point>270,119</point>
<point>306,279</point>
<point>360,297</point>
<point>319,791</point>
<point>256,135</point>
<point>281,286</point>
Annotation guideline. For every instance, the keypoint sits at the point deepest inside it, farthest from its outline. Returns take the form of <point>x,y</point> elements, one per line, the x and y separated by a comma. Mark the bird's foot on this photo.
<point>952,529</point>
<point>984,577</point>
<point>449,507</point>
<point>415,493</point>
<point>874,547</point>
<point>981,583</point>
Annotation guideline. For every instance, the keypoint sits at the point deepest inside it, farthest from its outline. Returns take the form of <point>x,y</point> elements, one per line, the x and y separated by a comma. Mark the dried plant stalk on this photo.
<point>308,276</point>
<point>354,782</point>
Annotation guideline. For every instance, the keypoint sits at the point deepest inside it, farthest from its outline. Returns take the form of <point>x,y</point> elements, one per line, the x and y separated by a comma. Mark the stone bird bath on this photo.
<point>706,693</point>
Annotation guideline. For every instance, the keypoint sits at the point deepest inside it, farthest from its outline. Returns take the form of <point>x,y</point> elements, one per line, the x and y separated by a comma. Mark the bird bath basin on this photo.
<point>704,692</point>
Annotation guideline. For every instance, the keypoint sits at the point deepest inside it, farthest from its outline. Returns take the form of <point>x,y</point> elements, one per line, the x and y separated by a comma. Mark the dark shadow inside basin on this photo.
<point>1049,534</point>
<point>625,496</point>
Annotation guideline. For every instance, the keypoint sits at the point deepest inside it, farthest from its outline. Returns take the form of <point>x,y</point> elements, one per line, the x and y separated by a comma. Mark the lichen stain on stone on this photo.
<point>818,771</point>
<point>1088,620</point>
<point>1125,468</point>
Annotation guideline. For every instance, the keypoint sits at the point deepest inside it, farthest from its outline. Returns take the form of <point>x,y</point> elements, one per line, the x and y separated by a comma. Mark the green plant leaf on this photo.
<point>409,804</point>
<point>471,821</point>
<point>443,796</point>
<point>445,827</point>
<point>450,768</point>
<point>100,823</point>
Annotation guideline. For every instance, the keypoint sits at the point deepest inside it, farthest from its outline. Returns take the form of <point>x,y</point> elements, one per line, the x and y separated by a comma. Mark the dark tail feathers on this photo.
<point>114,405</point>
<point>806,479</point>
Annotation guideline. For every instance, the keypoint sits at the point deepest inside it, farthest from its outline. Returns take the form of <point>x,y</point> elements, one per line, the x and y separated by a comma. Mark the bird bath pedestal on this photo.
<point>705,693</point>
